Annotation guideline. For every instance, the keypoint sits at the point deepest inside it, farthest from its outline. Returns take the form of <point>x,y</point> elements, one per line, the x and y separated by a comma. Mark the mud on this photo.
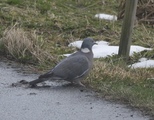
<point>58,102</point>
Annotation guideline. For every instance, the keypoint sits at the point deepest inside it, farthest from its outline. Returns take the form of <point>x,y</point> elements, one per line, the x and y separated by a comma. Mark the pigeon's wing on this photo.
<point>70,68</point>
<point>50,73</point>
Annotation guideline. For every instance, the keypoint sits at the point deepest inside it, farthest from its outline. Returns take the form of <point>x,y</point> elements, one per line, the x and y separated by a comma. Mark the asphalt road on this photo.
<point>58,102</point>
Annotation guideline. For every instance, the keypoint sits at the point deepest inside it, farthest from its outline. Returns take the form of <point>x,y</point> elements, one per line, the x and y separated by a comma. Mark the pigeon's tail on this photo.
<point>34,82</point>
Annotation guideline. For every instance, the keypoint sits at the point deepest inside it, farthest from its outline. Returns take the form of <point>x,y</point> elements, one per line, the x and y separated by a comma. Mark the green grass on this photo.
<point>117,82</point>
<point>48,26</point>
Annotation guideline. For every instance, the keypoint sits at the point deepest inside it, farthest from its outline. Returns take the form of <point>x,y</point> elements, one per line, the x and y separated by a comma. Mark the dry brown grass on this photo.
<point>117,72</point>
<point>122,84</point>
<point>26,45</point>
<point>145,11</point>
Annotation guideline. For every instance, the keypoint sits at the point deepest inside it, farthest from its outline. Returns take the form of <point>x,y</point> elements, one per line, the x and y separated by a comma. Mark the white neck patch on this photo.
<point>85,50</point>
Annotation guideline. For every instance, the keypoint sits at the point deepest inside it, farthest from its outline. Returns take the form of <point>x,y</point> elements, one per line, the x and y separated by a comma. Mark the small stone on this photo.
<point>81,90</point>
<point>32,93</point>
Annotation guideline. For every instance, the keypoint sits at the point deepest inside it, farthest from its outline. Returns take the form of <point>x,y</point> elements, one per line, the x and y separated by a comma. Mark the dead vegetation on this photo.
<point>119,72</point>
<point>145,11</point>
<point>24,46</point>
<point>118,82</point>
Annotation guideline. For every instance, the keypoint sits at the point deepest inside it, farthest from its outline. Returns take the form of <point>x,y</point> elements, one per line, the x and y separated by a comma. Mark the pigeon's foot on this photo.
<point>79,83</point>
<point>23,82</point>
<point>32,86</point>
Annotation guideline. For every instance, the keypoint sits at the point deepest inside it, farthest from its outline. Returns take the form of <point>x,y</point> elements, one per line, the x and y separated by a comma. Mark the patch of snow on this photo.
<point>76,44</point>
<point>102,43</point>
<point>143,64</point>
<point>106,16</point>
<point>142,59</point>
<point>103,49</point>
<point>135,48</point>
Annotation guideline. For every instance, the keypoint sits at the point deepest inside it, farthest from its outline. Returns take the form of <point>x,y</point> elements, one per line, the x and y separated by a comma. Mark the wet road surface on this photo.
<point>59,102</point>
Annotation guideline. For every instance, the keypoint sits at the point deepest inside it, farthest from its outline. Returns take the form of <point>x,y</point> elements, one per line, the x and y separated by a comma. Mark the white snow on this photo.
<point>103,49</point>
<point>76,44</point>
<point>142,59</point>
<point>143,64</point>
<point>106,16</point>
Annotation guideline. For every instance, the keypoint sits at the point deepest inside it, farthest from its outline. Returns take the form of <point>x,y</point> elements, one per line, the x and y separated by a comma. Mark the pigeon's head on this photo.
<point>87,44</point>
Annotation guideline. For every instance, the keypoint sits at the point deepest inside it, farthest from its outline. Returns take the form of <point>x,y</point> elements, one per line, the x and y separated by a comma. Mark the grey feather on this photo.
<point>73,68</point>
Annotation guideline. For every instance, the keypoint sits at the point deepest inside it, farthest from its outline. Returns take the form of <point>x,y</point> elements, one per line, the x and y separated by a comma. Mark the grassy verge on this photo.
<point>38,31</point>
<point>117,82</point>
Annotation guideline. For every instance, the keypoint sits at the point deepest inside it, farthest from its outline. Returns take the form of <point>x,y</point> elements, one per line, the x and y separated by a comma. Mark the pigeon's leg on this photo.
<point>79,83</point>
<point>34,82</point>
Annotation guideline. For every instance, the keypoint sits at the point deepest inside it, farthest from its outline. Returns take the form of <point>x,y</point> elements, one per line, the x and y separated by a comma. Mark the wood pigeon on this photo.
<point>73,68</point>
